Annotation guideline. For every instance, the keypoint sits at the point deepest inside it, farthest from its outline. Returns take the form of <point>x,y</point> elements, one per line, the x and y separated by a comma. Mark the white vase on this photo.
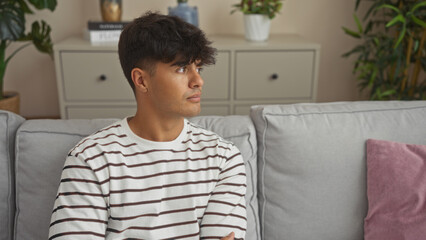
<point>257,27</point>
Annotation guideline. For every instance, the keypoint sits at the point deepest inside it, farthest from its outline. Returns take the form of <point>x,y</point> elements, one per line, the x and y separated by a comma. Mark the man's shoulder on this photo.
<point>197,131</point>
<point>100,139</point>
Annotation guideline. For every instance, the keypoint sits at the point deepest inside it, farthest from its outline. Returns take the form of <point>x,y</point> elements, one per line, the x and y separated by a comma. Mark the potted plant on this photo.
<point>12,29</point>
<point>392,53</point>
<point>257,17</point>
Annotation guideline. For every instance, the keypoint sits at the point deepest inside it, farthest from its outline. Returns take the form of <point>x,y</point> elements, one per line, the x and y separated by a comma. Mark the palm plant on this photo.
<point>392,53</point>
<point>12,28</point>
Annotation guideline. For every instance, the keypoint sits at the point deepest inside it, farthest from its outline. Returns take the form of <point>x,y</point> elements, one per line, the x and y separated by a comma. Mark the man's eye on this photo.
<point>181,70</point>
<point>200,69</point>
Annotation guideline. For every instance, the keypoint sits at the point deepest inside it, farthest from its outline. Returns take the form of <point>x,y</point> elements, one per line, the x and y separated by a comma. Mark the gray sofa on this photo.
<point>305,165</point>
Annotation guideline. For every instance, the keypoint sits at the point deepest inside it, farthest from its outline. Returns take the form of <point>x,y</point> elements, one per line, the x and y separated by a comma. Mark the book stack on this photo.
<point>104,32</point>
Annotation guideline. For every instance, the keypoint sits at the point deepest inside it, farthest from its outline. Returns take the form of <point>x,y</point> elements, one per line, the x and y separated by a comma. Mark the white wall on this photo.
<point>33,74</point>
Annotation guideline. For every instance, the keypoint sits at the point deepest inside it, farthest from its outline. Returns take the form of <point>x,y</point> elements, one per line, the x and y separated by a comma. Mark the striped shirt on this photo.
<point>116,185</point>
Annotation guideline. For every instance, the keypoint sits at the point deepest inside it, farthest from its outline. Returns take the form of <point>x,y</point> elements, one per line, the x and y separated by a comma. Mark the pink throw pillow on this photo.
<point>396,191</point>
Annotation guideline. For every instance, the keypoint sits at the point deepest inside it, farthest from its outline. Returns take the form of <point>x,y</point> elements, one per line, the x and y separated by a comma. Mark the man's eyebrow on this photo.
<point>180,63</point>
<point>185,63</point>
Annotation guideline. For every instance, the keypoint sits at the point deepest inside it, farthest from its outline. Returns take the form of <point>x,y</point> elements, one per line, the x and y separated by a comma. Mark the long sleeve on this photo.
<point>80,210</point>
<point>226,210</point>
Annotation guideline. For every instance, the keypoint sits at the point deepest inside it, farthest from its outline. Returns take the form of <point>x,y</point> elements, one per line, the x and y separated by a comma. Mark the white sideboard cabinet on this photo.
<point>284,69</point>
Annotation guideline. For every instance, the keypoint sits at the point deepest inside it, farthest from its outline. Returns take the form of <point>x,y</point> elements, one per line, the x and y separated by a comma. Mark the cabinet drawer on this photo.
<point>90,112</point>
<point>216,78</point>
<point>82,73</point>
<point>293,71</point>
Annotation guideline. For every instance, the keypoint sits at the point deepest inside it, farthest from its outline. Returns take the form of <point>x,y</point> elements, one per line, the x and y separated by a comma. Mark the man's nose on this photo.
<point>196,81</point>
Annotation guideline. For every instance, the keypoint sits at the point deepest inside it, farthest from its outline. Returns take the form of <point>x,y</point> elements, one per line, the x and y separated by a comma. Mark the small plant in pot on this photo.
<point>12,29</point>
<point>257,17</point>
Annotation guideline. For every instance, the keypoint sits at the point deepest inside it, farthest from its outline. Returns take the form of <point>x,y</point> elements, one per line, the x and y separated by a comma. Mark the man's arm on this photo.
<point>226,210</point>
<point>80,210</point>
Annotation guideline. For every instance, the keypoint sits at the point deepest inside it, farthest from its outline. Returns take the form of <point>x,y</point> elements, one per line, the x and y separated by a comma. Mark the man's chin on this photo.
<point>192,113</point>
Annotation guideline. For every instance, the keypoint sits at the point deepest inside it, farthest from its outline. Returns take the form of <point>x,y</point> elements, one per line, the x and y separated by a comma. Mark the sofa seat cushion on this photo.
<point>9,123</point>
<point>312,167</point>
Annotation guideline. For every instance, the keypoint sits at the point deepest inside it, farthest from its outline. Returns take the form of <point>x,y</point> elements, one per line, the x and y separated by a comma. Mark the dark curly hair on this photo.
<point>154,37</point>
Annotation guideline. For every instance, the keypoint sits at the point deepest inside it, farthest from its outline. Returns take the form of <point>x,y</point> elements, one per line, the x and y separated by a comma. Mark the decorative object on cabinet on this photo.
<point>256,27</point>
<point>111,10</point>
<point>91,83</point>
<point>257,17</point>
<point>392,53</point>
<point>101,32</point>
<point>184,11</point>
<point>12,29</point>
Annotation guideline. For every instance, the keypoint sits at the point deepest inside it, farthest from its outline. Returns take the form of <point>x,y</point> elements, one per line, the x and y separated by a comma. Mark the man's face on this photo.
<point>175,89</point>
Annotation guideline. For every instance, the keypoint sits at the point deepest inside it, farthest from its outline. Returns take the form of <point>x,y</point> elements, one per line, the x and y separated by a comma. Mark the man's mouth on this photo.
<point>195,98</point>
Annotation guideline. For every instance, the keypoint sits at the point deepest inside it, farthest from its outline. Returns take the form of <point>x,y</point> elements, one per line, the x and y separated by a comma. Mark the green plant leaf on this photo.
<point>399,61</point>
<point>357,4</point>
<point>279,6</point>
<point>401,36</point>
<point>377,94</point>
<point>373,77</point>
<point>358,23</point>
<point>376,41</point>
<point>12,21</point>
<point>40,36</point>
<point>24,6</point>
<point>245,8</point>
<point>388,6</point>
<point>356,49</point>
<point>369,27</point>
<point>351,33</point>
<point>42,4</point>
<point>416,45</point>
<point>418,21</point>
<point>387,93</point>
<point>420,4</point>
<point>267,7</point>
<point>398,18</point>
<point>370,10</point>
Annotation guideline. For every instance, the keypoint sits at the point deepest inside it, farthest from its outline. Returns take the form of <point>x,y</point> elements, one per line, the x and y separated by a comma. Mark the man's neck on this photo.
<point>155,128</point>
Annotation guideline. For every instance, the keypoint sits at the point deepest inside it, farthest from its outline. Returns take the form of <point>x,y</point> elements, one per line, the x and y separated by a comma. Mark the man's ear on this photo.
<point>139,78</point>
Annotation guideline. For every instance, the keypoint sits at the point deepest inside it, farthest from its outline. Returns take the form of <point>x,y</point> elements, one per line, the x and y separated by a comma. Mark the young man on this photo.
<point>155,175</point>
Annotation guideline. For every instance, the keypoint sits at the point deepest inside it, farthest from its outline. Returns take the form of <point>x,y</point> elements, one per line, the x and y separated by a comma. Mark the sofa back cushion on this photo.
<point>9,123</point>
<point>240,130</point>
<point>42,146</point>
<point>312,167</point>
<point>41,149</point>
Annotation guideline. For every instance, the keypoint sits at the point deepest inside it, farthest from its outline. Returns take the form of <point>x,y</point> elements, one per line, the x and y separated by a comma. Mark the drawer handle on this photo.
<point>102,77</point>
<point>274,76</point>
